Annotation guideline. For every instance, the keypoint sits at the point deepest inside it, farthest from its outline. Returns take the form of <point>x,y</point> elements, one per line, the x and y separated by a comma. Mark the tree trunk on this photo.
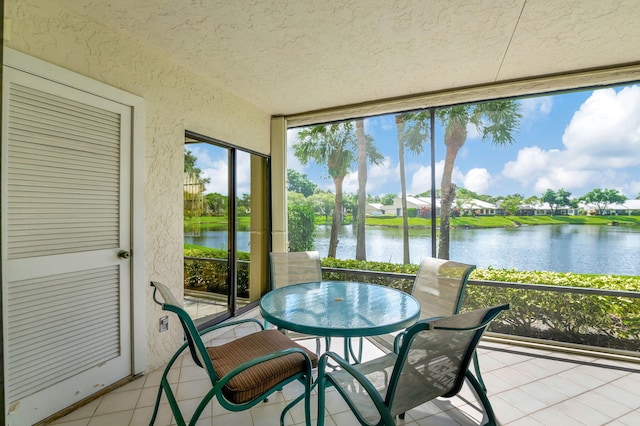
<point>403,186</point>
<point>337,218</point>
<point>361,250</point>
<point>453,142</point>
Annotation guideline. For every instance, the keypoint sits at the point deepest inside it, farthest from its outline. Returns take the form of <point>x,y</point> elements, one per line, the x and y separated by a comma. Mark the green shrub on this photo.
<point>301,227</point>
<point>209,272</point>
<point>588,319</point>
<point>400,283</point>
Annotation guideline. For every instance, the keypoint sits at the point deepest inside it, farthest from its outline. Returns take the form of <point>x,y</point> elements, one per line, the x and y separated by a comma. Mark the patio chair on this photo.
<point>439,287</point>
<point>295,267</point>
<point>432,361</point>
<point>242,372</point>
<point>298,267</point>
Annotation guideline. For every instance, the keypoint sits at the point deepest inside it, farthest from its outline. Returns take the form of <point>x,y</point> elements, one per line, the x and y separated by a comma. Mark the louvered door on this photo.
<point>65,219</point>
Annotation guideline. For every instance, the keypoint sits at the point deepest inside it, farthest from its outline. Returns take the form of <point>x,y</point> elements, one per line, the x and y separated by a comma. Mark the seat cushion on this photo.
<point>256,380</point>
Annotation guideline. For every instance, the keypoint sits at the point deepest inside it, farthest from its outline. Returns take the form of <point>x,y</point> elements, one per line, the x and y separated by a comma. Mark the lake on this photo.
<point>587,249</point>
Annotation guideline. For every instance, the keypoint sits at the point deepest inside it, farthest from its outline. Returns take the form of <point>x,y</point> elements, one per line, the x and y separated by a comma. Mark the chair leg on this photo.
<point>307,403</point>
<point>476,367</point>
<point>356,357</point>
<point>482,395</point>
<point>321,401</point>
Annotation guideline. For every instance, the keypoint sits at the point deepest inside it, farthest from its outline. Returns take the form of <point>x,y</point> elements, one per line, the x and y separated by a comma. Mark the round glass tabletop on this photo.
<point>339,309</point>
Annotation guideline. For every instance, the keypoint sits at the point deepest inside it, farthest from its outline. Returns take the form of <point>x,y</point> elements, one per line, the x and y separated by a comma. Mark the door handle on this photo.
<point>124,254</point>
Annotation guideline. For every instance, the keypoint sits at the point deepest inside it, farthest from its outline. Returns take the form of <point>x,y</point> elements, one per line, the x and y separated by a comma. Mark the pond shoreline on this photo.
<point>479,222</point>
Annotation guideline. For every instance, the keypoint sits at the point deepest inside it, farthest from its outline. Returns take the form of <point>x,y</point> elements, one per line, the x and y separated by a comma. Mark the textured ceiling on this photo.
<point>294,56</point>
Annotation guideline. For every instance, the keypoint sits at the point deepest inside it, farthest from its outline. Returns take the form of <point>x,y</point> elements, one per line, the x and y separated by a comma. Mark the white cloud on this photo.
<point>530,163</point>
<point>420,179</point>
<point>532,107</point>
<point>378,175</point>
<point>632,189</point>
<point>243,173</point>
<point>292,161</point>
<point>217,172</point>
<point>215,169</point>
<point>350,183</point>
<point>601,143</point>
<point>472,132</point>
<point>384,122</point>
<point>381,174</point>
<point>605,132</point>
<point>478,180</point>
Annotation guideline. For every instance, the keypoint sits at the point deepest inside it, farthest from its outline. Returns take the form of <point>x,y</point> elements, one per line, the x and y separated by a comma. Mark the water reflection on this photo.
<point>561,248</point>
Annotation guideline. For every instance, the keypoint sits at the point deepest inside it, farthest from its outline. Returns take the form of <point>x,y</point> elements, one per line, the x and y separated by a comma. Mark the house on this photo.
<point>375,209</point>
<point>468,207</point>
<point>477,207</point>
<point>417,203</point>
<point>629,207</point>
<point>100,97</point>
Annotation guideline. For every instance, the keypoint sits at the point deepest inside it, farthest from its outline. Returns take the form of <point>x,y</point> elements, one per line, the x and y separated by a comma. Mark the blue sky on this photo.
<point>576,141</point>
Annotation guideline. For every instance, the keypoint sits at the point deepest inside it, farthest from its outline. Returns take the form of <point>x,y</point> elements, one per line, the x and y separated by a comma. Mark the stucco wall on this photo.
<point>175,101</point>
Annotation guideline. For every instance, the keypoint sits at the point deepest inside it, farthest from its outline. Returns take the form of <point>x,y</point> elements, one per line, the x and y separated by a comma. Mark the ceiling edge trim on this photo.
<point>507,89</point>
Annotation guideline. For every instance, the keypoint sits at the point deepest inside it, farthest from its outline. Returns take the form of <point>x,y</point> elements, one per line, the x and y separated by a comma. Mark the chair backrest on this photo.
<point>295,268</point>
<point>196,345</point>
<point>434,357</point>
<point>439,286</point>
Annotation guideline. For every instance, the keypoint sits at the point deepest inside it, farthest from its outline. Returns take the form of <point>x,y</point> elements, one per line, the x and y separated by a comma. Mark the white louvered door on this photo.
<point>65,217</point>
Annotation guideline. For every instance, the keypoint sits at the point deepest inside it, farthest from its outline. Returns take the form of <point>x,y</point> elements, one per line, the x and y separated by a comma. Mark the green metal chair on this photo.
<point>296,267</point>
<point>432,361</point>
<point>439,287</point>
<point>243,372</point>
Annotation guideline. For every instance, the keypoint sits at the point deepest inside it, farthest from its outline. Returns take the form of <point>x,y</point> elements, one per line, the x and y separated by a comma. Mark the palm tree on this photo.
<point>496,121</point>
<point>361,250</point>
<point>413,131</point>
<point>333,145</point>
<point>366,150</point>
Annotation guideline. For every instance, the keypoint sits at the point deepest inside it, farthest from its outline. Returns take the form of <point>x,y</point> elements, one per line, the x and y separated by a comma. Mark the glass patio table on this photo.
<point>340,309</point>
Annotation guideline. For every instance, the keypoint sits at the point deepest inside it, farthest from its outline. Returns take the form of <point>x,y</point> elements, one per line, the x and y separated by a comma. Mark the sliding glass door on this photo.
<point>226,231</point>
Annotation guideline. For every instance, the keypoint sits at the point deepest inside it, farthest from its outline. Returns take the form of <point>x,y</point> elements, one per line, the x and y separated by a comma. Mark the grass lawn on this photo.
<point>508,221</point>
<point>456,222</point>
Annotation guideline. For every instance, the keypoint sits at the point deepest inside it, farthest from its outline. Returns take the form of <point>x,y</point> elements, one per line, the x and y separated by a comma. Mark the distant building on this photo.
<point>629,207</point>
<point>377,209</point>
<point>476,207</point>
<point>421,204</point>
<point>467,207</point>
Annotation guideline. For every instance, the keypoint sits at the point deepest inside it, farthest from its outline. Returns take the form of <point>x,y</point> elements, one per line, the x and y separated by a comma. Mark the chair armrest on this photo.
<point>397,342</point>
<point>349,368</point>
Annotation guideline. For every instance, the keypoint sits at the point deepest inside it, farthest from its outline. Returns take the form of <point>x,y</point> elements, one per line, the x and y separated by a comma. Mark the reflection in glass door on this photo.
<point>225,229</point>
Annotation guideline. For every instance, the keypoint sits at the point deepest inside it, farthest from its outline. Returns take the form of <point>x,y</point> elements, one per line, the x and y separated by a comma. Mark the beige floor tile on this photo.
<point>118,401</point>
<point>79,422</point>
<point>524,389</point>
<point>84,412</point>
<point>119,418</point>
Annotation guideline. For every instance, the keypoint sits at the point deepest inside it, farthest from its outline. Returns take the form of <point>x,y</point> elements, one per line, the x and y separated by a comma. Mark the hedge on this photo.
<point>595,320</point>
<point>210,275</point>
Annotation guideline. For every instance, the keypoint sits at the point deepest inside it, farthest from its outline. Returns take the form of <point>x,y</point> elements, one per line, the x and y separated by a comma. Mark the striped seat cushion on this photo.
<point>254,381</point>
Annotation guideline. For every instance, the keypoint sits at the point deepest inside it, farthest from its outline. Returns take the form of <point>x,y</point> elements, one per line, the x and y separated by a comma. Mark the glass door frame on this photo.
<point>232,217</point>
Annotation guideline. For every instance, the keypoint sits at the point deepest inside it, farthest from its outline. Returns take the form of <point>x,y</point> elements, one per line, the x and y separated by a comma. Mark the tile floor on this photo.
<point>526,387</point>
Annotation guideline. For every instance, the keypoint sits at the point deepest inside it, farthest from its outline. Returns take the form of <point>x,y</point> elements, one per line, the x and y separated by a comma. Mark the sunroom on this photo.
<point>139,80</point>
